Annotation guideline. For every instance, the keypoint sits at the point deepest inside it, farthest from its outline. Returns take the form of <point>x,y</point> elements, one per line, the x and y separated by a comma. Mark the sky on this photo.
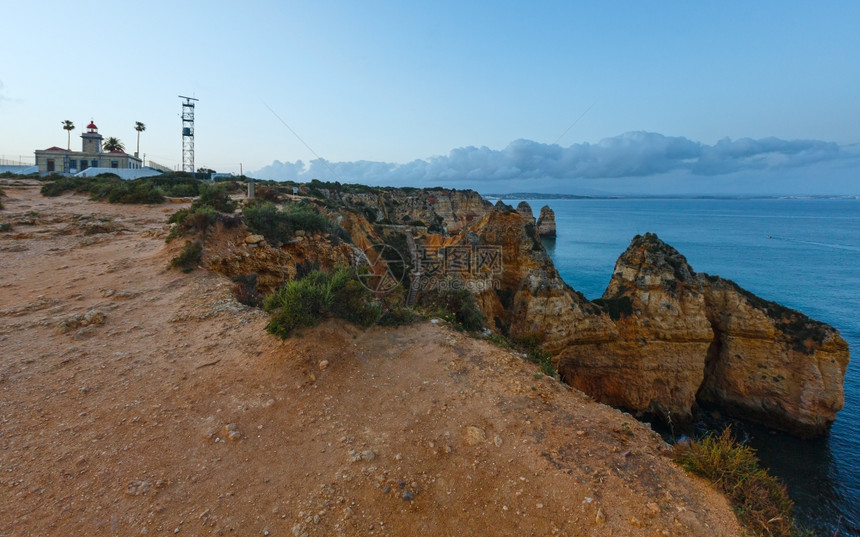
<point>576,97</point>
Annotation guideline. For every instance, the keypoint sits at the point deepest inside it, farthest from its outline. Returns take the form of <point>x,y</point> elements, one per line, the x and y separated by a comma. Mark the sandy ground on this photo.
<point>137,400</point>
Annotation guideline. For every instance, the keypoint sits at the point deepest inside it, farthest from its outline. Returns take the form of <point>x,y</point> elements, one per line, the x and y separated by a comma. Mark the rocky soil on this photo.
<point>138,400</point>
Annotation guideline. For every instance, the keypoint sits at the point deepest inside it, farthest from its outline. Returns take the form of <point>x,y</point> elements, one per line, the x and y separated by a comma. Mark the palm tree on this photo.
<point>69,127</point>
<point>139,127</point>
<point>112,143</point>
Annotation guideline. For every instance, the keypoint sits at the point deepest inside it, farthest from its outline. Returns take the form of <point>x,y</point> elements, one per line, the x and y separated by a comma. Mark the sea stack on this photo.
<point>546,223</point>
<point>525,211</point>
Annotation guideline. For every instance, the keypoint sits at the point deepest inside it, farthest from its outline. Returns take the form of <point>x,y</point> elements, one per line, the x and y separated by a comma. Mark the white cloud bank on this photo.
<point>532,166</point>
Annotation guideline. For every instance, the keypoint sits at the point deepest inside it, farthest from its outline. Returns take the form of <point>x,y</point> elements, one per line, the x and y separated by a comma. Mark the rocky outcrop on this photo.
<point>657,363</point>
<point>771,364</point>
<point>546,223</point>
<point>662,340</point>
<point>687,339</point>
<point>440,210</point>
<point>525,211</point>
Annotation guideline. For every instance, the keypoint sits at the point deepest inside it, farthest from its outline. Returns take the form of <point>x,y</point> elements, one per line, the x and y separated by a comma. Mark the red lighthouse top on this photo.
<point>92,127</point>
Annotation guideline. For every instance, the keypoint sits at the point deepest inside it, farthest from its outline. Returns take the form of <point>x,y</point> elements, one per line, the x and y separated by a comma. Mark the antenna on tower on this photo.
<point>188,133</point>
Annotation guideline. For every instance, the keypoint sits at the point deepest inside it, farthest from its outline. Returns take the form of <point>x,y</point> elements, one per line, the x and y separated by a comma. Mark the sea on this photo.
<point>802,253</point>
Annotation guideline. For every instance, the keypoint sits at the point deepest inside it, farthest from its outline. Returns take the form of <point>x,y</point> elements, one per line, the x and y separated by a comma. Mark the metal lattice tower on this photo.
<point>188,134</point>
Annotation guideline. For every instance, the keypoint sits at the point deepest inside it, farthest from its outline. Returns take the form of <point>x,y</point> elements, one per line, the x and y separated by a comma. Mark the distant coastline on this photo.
<point>542,196</point>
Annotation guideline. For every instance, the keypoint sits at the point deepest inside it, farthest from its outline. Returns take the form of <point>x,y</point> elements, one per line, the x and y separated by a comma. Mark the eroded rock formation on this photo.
<point>691,338</point>
<point>771,364</point>
<point>664,339</point>
<point>546,223</point>
<point>525,211</point>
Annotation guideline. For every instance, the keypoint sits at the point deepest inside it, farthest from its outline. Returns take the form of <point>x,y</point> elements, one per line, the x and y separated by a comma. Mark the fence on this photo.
<point>22,161</point>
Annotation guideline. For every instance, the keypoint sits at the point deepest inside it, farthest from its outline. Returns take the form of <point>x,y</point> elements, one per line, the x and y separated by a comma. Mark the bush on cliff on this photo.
<point>304,302</point>
<point>190,256</point>
<point>759,499</point>
<point>455,304</point>
<point>279,226</point>
<point>214,196</point>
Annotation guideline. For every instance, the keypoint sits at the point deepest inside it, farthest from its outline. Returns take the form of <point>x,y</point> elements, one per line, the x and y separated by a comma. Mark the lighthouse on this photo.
<point>92,140</point>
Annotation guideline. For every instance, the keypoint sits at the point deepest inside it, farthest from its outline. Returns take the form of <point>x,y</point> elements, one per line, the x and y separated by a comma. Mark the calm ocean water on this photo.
<point>804,254</point>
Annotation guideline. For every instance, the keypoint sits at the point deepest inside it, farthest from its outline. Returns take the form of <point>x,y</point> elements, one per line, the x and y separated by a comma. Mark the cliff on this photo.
<point>439,210</point>
<point>771,364</point>
<point>688,339</point>
<point>663,339</point>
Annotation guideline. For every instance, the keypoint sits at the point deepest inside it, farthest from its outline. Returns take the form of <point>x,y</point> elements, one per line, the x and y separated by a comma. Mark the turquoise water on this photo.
<point>804,254</point>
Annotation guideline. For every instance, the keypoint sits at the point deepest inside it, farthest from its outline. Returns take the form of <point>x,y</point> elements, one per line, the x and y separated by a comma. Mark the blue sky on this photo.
<point>378,88</point>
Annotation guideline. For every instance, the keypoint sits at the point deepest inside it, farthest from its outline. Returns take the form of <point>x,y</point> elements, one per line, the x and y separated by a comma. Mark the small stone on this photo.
<point>254,239</point>
<point>498,441</point>
<point>635,522</point>
<point>600,519</point>
<point>653,507</point>
<point>368,455</point>
<point>408,496</point>
<point>93,317</point>
<point>323,365</point>
<point>474,435</point>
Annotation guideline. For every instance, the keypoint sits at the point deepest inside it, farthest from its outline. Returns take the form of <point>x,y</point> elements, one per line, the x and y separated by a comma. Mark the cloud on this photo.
<point>629,155</point>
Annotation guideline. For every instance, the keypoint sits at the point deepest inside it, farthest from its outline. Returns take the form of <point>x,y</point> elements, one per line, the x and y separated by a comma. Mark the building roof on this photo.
<point>92,125</point>
<point>117,151</point>
<point>55,148</point>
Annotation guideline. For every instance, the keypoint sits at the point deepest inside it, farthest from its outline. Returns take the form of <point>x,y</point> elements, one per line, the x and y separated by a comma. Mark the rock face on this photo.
<point>546,223</point>
<point>525,211</point>
<point>440,210</point>
<point>688,338</point>
<point>771,364</point>
<point>657,364</point>
<point>663,340</point>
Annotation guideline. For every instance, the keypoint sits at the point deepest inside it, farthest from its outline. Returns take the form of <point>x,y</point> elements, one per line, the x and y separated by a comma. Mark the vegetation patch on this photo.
<point>451,301</point>
<point>190,256</point>
<point>245,290</point>
<point>306,301</point>
<point>214,196</point>
<point>279,226</point>
<point>759,499</point>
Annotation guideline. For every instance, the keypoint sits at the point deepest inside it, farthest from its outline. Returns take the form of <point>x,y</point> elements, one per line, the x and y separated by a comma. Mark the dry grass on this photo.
<point>759,499</point>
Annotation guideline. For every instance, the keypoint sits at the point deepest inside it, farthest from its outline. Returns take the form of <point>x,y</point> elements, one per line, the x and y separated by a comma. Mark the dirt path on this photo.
<point>139,400</point>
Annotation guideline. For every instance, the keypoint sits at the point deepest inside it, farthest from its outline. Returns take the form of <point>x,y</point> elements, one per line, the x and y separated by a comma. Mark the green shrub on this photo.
<point>304,302</point>
<point>759,499</point>
<point>190,256</point>
<point>277,226</point>
<point>105,187</point>
<point>216,197</point>
<point>455,304</point>
<point>5,226</point>
<point>531,345</point>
